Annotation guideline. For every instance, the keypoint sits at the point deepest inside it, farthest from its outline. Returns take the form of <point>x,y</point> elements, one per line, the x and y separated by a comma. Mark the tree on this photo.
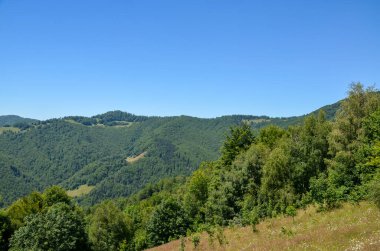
<point>60,228</point>
<point>277,170</point>
<point>55,194</point>
<point>374,189</point>
<point>28,205</point>
<point>196,195</point>
<point>108,227</point>
<point>269,135</point>
<point>371,151</point>
<point>372,126</point>
<point>5,230</point>
<point>347,138</point>
<point>371,166</point>
<point>309,149</point>
<point>240,138</point>
<point>167,222</point>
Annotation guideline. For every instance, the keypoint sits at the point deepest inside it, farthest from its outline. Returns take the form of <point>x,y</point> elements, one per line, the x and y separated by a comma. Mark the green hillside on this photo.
<point>351,227</point>
<point>75,151</point>
<point>275,186</point>
<point>11,120</point>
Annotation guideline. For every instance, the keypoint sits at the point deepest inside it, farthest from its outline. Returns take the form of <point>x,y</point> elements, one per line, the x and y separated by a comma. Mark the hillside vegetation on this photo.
<point>12,120</point>
<point>260,176</point>
<point>75,151</point>
<point>351,227</point>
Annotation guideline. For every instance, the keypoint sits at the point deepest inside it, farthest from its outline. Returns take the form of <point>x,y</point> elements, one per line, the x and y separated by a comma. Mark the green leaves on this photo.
<point>167,222</point>
<point>60,228</point>
<point>355,127</point>
<point>239,139</point>
<point>5,230</point>
<point>274,172</point>
<point>374,189</point>
<point>109,227</point>
<point>54,195</point>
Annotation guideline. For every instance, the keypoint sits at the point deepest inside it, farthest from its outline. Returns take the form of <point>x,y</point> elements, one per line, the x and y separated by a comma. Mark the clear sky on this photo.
<point>202,58</point>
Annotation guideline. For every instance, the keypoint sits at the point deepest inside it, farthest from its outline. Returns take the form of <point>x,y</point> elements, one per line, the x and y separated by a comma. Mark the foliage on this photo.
<point>11,120</point>
<point>260,174</point>
<point>374,189</point>
<point>60,228</point>
<point>60,152</point>
<point>23,207</point>
<point>167,222</point>
<point>54,195</point>
<point>270,135</point>
<point>351,227</point>
<point>347,139</point>
<point>196,239</point>
<point>5,230</point>
<point>291,211</point>
<point>183,244</point>
<point>196,195</point>
<point>108,227</point>
<point>239,139</point>
<point>113,116</point>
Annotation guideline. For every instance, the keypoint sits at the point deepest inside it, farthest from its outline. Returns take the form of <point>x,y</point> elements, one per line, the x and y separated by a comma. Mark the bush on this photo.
<point>196,239</point>
<point>108,227</point>
<point>291,211</point>
<point>5,231</point>
<point>60,228</point>
<point>168,221</point>
<point>374,189</point>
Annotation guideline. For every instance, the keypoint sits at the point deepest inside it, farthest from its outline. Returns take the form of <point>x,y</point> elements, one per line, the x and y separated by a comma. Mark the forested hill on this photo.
<point>115,153</point>
<point>317,165</point>
<point>11,120</point>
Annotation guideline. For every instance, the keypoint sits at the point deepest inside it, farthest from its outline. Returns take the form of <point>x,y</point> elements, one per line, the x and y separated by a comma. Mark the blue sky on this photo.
<point>201,58</point>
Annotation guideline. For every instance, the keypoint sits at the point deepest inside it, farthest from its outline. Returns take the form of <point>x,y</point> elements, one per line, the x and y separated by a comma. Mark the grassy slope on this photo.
<point>352,227</point>
<point>12,129</point>
<point>136,158</point>
<point>80,191</point>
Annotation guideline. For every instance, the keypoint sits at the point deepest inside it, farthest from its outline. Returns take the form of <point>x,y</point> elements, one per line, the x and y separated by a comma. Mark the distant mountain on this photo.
<point>330,110</point>
<point>115,153</point>
<point>11,120</point>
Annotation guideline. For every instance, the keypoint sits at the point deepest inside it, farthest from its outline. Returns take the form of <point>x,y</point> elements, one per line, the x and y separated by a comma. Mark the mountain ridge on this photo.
<point>75,151</point>
<point>10,120</point>
<point>329,109</point>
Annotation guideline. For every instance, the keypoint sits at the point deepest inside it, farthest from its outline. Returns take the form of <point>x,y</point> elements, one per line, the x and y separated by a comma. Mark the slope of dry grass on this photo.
<point>12,129</point>
<point>135,158</point>
<point>352,227</point>
<point>80,191</point>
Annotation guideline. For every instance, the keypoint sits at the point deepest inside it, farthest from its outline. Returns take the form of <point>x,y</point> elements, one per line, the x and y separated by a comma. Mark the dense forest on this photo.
<point>93,151</point>
<point>17,121</point>
<point>260,174</point>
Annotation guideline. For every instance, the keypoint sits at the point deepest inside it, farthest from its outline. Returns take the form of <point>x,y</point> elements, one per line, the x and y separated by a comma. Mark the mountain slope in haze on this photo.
<point>75,151</point>
<point>10,120</point>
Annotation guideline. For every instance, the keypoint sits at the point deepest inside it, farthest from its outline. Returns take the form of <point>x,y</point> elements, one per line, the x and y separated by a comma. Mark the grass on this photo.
<point>72,122</point>
<point>352,227</point>
<point>12,129</point>
<point>255,121</point>
<point>80,191</point>
<point>135,158</point>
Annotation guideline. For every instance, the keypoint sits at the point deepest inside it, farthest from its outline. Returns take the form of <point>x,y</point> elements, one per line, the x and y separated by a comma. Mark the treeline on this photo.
<point>109,118</point>
<point>69,153</point>
<point>259,174</point>
<point>11,120</point>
